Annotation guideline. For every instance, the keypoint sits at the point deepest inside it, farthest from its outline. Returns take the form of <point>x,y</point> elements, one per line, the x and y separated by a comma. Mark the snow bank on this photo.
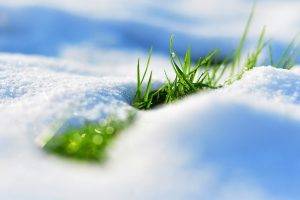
<point>241,142</point>
<point>37,94</point>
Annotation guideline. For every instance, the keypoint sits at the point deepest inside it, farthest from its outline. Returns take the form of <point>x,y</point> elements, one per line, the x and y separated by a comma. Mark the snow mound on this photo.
<point>240,142</point>
<point>36,96</point>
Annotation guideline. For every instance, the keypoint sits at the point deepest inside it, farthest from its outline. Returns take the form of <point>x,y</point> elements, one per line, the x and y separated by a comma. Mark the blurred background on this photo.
<point>118,31</point>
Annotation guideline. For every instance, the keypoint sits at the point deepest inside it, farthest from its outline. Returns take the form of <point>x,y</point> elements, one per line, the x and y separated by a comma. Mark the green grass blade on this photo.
<point>187,61</point>
<point>239,50</point>
<point>204,61</point>
<point>270,55</point>
<point>148,88</point>
<point>287,55</point>
<point>253,58</point>
<point>139,83</point>
<point>147,64</point>
<point>183,76</point>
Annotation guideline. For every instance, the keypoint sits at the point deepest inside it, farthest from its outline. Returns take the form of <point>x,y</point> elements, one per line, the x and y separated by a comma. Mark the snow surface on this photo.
<point>240,142</point>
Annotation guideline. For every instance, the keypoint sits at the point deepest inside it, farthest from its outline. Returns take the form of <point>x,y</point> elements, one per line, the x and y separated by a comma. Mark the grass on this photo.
<point>205,74</point>
<point>187,80</point>
<point>287,59</point>
<point>88,142</point>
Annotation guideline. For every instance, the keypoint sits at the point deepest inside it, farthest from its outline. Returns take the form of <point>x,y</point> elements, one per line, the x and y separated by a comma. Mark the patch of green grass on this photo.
<point>205,74</point>
<point>189,78</point>
<point>89,142</point>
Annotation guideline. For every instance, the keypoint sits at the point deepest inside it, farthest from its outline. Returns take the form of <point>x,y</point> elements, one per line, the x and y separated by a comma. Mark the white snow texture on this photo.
<point>240,142</point>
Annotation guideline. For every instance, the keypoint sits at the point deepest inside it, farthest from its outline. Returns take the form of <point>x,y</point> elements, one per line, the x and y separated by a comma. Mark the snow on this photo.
<point>240,142</point>
<point>208,17</point>
<point>38,26</point>
<point>63,62</point>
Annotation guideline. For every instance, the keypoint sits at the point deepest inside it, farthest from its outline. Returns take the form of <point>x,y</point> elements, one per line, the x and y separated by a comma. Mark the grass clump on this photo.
<point>189,78</point>
<point>89,142</point>
<point>205,73</point>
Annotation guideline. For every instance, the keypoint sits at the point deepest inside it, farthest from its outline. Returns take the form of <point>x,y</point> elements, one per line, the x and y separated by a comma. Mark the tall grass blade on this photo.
<point>239,50</point>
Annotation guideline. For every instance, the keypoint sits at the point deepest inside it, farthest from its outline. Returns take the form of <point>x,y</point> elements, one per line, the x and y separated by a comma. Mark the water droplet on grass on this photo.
<point>173,55</point>
<point>97,139</point>
<point>110,130</point>
<point>72,147</point>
